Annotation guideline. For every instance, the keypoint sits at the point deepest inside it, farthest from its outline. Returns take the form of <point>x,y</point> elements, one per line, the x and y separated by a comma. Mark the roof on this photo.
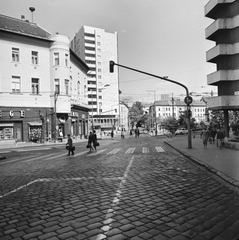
<point>23,27</point>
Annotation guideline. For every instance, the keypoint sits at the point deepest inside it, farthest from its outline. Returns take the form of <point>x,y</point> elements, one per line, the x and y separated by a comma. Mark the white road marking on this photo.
<point>130,150</point>
<point>159,149</point>
<point>110,213</point>
<point>114,151</point>
<point>96,153</point>
<point>56,180</point>
<point>145,150</point>
<point>31,149</point>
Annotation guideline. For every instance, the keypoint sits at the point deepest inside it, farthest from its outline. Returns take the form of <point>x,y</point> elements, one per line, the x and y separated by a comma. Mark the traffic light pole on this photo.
<point>112,64</point>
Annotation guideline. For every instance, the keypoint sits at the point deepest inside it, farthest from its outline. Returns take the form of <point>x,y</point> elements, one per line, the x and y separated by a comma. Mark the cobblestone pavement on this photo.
<point>136,188</point>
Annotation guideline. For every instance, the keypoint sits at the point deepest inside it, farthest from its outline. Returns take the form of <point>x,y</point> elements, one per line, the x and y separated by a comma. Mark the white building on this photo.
<point>97,47</point>
<point>42,83</point>
<point>167,108</point>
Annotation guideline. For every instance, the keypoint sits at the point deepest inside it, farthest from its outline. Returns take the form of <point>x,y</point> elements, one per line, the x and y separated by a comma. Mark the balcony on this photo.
<point>221,25</point>
<point>214,6</point>
<point>222,75</point>
<point>223,102</point>
<point>221,49</point>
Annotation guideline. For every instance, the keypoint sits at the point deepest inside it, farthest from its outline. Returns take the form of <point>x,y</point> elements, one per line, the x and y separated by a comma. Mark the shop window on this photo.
<point>34,57</point>
<point>35,86</point>
<point>16,84</point>
<point>15,54</point>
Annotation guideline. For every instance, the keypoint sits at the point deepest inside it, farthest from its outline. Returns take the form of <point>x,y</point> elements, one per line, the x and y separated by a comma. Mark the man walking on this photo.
<point>70,145</point>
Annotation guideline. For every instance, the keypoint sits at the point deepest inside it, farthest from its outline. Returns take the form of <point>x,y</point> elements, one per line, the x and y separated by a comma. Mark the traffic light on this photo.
<point>112,66</point>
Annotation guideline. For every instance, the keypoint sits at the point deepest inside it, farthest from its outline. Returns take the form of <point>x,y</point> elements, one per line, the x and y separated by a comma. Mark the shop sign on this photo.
<point>11,113</point>
<point>22,113</point>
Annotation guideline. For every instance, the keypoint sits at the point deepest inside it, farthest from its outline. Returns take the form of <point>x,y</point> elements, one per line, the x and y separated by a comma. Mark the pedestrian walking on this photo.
<point>70,145</point>
<point>205,136</point>
<point>130,133</point>
<point>112,134</point>
<point>94,140</point>
<point>170,136</point>
<point>90,141</point>
<point>122,134</point>
<point>220,137</point>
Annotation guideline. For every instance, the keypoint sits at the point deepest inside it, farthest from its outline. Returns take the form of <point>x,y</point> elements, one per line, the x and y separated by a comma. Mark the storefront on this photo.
<point>6,131</point>
<point>35,131</point>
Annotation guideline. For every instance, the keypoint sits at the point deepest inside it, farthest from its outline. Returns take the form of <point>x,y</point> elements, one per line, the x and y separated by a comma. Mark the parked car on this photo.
<point>181,131</point>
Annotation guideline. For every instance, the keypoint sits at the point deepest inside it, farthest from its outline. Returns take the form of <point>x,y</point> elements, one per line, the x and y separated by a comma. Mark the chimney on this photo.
<point>22,17</point>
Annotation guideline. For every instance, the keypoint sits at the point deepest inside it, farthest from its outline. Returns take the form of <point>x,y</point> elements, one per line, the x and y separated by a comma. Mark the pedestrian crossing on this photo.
<point>59,155</point>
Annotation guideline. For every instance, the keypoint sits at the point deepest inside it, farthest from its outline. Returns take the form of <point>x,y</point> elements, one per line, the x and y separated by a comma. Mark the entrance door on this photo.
<point>18,131</point>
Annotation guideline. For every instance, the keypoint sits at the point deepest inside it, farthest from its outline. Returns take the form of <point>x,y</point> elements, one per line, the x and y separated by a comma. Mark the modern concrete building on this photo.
<point>224,31</point>
<point>97,47</point>
<point>42,84</point>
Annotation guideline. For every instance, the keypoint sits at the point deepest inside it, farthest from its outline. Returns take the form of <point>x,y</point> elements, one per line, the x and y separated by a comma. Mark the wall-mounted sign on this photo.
<point>11,113</point>
<point>22,113</point>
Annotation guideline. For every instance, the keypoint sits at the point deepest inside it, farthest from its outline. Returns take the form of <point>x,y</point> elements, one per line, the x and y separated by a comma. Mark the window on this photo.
<point>67,86</point>
<point>57,86</point>
<point>78,87</point>
<point>15,54</point>
<point>99,69</point>
<point>99,76</point>
<point>34,57</point>
<point>56,59</point>
<point>66,60</point>
<point>98,43</point>
<point>16,84</point>
<point>35,86</point>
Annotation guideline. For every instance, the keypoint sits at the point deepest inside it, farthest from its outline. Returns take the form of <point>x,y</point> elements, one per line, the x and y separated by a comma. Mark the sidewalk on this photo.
<point>224,163</point>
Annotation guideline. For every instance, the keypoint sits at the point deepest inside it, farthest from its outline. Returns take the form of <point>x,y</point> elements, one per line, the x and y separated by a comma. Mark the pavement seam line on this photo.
<point>110,213</point>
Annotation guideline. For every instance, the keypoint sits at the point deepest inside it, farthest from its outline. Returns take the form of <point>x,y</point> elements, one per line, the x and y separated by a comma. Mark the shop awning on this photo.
<point>6,124</point>
<point>35,123</point>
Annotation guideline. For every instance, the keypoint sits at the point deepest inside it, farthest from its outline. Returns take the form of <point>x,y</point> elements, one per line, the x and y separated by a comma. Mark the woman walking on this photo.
<point>205,136</point>
<point>90,141</point>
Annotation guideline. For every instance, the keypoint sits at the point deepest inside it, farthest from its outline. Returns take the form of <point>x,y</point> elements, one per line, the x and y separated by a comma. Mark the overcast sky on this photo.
<point>162,37</point>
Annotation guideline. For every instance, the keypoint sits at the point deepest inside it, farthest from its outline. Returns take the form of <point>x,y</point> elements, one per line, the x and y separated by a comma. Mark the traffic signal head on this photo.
<point>112,66</point>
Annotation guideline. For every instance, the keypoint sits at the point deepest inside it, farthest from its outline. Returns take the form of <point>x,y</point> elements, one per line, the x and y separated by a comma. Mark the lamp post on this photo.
<point>188,99</point>
<point>154,112</point>
<point>92,119</point>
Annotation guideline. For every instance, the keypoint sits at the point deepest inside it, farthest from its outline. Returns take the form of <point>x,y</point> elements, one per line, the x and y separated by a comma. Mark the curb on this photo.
<point>223,176</point>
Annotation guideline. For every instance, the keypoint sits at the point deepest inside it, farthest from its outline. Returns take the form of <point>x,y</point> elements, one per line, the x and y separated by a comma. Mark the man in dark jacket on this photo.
<point>70,145</point>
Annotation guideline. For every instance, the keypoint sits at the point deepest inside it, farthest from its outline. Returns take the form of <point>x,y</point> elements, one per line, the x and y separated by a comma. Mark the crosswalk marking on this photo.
<point>159,149</point>
<point>145,150</point>
<point>130,150</point>
<point>31,149</point>
<point>114,151</point>
<point>96,153</point>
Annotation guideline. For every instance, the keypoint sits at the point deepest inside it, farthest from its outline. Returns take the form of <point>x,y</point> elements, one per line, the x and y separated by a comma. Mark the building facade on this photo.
<point>224,31</point>
<point>97,47</point>
<point>169,108</point>
<point>42,84</point>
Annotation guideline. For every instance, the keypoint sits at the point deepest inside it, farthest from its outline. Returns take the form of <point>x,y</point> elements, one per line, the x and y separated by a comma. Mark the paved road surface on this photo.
<point>136,188</point>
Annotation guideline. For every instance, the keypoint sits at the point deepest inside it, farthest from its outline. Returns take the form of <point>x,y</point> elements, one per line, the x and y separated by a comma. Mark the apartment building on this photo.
<point>97,47</point>
<point>42,84</point>
<point>169,108</point>
<point>224,31</point>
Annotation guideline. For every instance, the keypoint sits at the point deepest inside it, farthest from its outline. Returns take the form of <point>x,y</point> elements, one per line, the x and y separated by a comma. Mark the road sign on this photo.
<point>188,100</point>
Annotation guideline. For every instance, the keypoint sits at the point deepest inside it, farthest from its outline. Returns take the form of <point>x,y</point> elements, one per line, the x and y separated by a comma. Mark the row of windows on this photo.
<point>35,85</point>
<point>180,109</point>
<point>35,57</point>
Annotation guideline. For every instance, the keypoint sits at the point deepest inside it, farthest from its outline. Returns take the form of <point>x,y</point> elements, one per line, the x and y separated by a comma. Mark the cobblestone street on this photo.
<point>136,188</point>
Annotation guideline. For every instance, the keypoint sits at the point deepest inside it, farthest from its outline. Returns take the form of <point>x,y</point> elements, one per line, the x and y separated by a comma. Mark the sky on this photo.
<point>161,37</point>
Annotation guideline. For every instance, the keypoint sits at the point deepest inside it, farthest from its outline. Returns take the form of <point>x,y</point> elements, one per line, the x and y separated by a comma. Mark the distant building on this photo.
<point>167,108</point>
<point>42,84</point>
<point>224,31</point>
<point>97,47</point>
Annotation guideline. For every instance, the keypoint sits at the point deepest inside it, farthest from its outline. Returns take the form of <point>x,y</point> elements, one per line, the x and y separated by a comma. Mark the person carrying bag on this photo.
<point>70,146</point>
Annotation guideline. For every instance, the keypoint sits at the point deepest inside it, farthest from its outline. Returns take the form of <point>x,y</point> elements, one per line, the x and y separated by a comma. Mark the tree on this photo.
<point>136,113</point>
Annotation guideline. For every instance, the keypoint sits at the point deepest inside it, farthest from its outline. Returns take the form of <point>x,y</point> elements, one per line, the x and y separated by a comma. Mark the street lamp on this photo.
<point>188,99</point>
